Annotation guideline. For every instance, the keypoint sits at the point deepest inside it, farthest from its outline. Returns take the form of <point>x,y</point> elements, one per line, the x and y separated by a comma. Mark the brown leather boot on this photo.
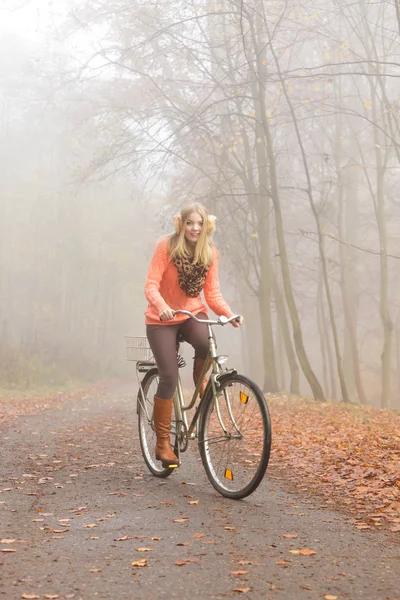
<point>162,421</point>
<point>198,365</point>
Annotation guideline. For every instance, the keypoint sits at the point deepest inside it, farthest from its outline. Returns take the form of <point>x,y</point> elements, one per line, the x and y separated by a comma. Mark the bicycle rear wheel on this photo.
<point>147,435</point>
<point>235,437</point>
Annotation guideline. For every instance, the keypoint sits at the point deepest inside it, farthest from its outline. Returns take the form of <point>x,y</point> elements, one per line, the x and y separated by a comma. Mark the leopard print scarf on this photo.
<point>191,277</point>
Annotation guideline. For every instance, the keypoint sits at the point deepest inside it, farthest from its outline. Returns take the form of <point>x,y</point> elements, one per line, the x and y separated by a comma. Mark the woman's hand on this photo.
<point>167,314</point>
<point>237,323</point>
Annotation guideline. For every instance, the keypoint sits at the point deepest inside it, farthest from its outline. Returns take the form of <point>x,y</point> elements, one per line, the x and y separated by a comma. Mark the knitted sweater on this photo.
<point>162,289</point>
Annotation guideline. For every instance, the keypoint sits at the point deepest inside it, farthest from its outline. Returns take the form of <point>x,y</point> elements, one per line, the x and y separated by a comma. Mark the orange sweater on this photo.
<point>162,289</point>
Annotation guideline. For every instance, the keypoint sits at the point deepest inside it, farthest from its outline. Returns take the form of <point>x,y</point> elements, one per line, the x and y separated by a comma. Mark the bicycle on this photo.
<point>231,422</point>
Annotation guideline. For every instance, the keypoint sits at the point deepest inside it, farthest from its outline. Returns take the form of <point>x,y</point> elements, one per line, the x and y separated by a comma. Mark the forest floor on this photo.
<point>80,513</point>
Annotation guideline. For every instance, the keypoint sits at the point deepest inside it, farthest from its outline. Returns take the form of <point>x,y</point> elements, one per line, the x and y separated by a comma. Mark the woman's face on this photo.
<point>193,227</point>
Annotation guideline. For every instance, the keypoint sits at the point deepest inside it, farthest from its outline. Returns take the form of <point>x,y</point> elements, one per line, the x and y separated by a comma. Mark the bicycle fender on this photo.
<point>219,379</point>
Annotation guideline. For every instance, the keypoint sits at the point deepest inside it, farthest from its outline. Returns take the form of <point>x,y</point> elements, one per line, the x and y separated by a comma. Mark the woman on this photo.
<point>183,264</point>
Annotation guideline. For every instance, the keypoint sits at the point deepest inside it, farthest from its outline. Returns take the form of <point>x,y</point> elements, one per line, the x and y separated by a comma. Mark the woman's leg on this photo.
<point>196,334</point>
<point>162,340</point>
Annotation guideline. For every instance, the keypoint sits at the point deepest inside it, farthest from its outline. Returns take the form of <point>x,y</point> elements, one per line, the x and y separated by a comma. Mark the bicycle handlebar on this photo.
<point>222,320</point>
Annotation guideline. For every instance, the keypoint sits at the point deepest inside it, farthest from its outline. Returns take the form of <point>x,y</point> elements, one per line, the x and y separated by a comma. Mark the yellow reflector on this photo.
<point>229,474</point>
<point>244,398</point>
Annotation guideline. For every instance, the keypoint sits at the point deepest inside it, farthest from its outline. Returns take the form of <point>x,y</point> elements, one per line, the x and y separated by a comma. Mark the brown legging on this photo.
<point>162,340</point>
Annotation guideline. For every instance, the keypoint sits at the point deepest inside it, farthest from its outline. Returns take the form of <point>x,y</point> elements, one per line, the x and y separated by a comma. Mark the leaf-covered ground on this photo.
<point>14,404</point>
<point>349,454</point>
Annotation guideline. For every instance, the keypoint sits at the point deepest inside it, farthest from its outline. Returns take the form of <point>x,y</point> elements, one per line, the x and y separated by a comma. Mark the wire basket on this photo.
<point>137,348</point>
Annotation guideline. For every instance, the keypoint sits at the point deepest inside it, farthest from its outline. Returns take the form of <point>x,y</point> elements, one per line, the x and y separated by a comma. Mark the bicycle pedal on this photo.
<point>167,466</point>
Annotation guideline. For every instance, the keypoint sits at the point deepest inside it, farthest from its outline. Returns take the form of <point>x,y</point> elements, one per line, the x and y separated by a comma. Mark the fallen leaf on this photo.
<point>330,597</point>
<point>245,562</point>
<point>209,542</point>
<point>144,549</point>
<point>52,596</point>
<point>282,563</point>
<point>181,563</point>
<point>183,544</point>
<point>7,550</point>
<point>239,572</point>
<point>291,536</point>
<point>156,539</point>
<point>123,539</point>
<point>92,537</point>
<point>59,530</point>
<point>180,520</point>
<point>30,596</point>
<point>241,590</point>
<point>95,570</point>
<point>140,563</point>
<point>230,528</point>
<point>306,587</point>
<point>7,541</point>
<point>196,536</point>
<point>303,552</point>
<point>91,525</point>
<point>193,502</point>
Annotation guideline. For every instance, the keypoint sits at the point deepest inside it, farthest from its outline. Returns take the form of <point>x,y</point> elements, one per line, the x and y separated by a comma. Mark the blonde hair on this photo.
<point>178,245</point>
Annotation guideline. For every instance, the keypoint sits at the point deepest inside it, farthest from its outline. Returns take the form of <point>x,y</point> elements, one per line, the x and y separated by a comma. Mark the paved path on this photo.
<point>78,501</point>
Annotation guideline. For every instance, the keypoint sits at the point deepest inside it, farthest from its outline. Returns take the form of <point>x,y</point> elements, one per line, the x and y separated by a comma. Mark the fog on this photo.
<point>282,117</point>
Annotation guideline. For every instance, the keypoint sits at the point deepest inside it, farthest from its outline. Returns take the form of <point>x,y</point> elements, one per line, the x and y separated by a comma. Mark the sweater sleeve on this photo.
<point>212,293</point>
<point>157,266</point>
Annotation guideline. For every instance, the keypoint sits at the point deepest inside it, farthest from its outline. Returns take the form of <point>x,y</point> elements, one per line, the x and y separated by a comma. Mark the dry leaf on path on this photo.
<point>290,536</point>
<point>144,549</point>
<point>51,596</point>
<point>303,552</point>
<point>140,563</point>
<point>330,597</point>
<point>193,502</point>
<point>181,563</point>
<point>180,520</point>
<point>7,550</point>
<point>230,528</point>
<point>241,590</point>
<point>30,596</point>
<point>196,536</point>
<point>239,572</point>
<point>95,570</point>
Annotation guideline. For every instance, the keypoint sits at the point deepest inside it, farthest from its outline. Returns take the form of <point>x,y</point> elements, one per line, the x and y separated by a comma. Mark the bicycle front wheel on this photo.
<point>235,437</point>
<point>147,435</point>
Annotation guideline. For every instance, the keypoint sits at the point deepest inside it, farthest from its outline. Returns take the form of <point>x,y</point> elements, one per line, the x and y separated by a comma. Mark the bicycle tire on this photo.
<point>147,437</point>
<point>238,461</point>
